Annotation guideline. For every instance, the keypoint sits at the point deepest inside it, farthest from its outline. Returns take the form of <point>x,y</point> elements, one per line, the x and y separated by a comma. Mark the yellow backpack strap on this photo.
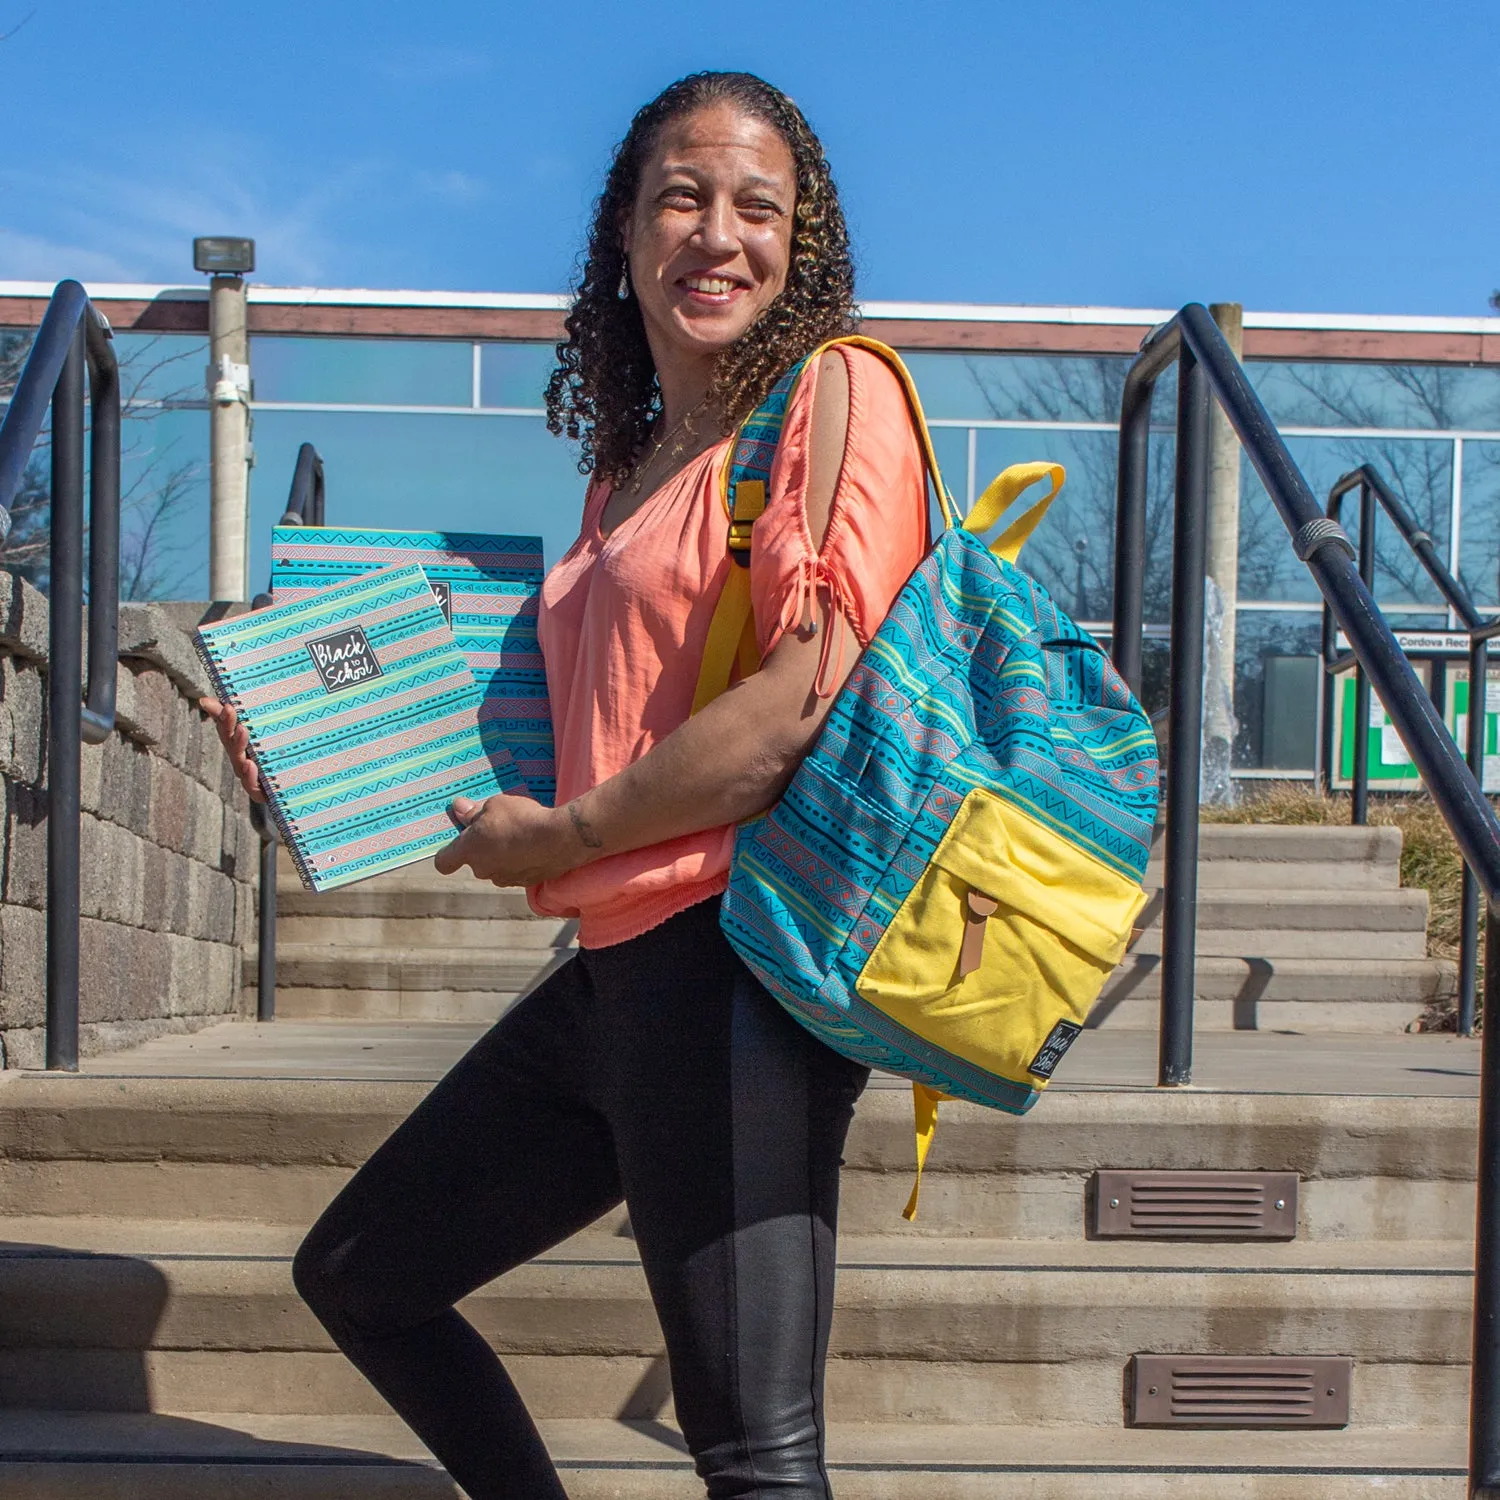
<point>919,417</point>
<point>924,1102</point>
<point>731,632</point>
<point>1001,494</point>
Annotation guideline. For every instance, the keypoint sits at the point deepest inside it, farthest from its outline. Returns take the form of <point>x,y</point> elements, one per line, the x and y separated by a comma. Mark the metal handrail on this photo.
<point>1374,489</point>
<point>305,500</point>
<point>72,347</point>
<point>305,505</point>
<point>1208,368</point>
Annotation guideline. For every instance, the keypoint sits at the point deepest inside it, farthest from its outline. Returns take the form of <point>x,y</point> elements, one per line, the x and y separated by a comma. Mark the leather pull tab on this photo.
<point>978,909</point>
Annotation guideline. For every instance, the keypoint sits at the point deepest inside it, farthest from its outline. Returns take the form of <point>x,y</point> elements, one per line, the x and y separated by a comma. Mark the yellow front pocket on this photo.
<point>1046,923</point>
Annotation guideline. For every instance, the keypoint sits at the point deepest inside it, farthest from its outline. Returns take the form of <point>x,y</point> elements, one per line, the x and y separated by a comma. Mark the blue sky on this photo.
<point>1321,156</point>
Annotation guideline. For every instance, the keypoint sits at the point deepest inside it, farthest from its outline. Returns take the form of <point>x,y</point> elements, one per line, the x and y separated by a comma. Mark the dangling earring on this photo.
<point>623,291</point>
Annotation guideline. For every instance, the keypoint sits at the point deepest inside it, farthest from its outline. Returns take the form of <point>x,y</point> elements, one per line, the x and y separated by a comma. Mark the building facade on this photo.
<point>426,408</point>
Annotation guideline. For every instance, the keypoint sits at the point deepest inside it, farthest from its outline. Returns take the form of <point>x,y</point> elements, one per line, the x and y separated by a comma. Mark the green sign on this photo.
<point>1458,719</point>
<point>1390,765</point>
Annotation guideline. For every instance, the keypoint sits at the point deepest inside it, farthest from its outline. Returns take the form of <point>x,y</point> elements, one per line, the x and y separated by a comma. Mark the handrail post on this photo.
<point>1185,735</point>
<point>65,709</point>
<point>1468,941</point>
<point>265,974</point>
<point>98,719</point>
<point>1359,811</point>
<point>305,505</point>
<point>1328,703</point>
<point>1484,1391</point>
<point>1130,532</point>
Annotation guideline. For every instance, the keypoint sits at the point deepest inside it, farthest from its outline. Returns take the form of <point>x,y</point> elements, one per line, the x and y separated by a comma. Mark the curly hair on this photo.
<point>604,391</point>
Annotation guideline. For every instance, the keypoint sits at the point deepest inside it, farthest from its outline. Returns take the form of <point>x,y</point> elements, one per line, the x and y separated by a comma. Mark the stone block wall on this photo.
<point>169,855</point>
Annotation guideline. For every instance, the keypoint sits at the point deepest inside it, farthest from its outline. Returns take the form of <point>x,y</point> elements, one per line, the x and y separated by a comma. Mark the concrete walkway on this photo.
<point>1260,1062</point>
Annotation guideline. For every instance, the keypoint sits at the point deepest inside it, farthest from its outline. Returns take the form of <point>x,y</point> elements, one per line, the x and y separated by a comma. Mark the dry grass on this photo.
<point>1429,856</point>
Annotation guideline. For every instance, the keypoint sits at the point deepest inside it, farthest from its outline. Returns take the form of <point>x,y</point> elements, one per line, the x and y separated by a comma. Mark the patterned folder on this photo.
<point>488,587</point>
<point>365,723</point>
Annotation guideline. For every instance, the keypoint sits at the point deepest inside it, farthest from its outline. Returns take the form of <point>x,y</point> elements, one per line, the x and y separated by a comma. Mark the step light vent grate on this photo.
<point>1184,1390</point>
<point>1143,1204</point>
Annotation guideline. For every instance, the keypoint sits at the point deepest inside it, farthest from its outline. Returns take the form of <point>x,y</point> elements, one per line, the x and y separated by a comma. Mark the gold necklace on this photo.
<point>639,476</point>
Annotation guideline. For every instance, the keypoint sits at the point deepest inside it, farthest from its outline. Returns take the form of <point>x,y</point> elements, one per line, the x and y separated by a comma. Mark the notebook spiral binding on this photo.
<point>267,781</point>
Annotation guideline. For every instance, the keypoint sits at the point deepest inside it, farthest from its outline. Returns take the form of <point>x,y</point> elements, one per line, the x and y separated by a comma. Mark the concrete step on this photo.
<point>1301,924</point>
<point>143,1362</point>
<point>344,1004</point>
<point>906,1301</point>
<point>502,934</point>
<point>1278,993</point>
<point>1280,857</point>
<point>507,955</point>
<point>473,979</point>
<point>1252,854</point>
<point>276,1150</point>
<point>292,1382</point>
<point>1275,903</point>
<point>240,1456</point>
<point>96,1315</point>
<point>495,970</point>
<point>453,896</point>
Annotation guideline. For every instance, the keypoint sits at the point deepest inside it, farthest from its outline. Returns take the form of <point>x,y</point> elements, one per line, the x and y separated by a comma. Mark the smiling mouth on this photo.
<point>711,286</point>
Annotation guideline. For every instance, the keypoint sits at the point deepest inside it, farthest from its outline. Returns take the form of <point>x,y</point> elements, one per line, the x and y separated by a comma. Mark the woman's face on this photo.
<point>709,238</point>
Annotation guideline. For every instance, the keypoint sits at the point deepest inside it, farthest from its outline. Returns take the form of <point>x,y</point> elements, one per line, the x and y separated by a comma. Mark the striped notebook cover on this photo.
<point>365,723</point>
<point>487,585</point>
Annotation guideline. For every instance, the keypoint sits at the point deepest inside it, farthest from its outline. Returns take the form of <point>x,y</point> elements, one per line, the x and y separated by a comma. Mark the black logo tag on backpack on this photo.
<point>442,591</point>
<point>343,659</point>
<point>1059,1039</point>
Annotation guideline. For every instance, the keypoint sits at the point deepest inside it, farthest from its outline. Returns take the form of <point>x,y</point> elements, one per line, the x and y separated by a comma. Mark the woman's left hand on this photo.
<point>509,840</point>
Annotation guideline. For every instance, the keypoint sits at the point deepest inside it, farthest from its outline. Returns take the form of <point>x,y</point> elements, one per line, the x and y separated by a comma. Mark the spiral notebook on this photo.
<point>365,722</point>
<point>486,585</point>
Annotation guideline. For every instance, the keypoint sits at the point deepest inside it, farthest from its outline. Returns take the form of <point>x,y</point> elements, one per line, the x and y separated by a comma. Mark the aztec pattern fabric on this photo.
<point>487,586</point>
<point>364,720</point>
<point>956,867</point>
<point>983,745</point>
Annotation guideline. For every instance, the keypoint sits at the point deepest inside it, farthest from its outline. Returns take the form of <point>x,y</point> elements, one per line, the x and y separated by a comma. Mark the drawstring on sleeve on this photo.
<point>799,611</point>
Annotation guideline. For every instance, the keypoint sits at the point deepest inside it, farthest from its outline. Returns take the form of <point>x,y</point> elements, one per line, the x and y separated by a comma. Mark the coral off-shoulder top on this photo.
<point>624,621</point>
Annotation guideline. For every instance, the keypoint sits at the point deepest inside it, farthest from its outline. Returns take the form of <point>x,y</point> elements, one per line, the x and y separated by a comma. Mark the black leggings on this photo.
<point>657,1071</point>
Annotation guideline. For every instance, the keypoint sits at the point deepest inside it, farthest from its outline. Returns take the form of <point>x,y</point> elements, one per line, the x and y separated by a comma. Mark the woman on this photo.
<point>652,1067</point>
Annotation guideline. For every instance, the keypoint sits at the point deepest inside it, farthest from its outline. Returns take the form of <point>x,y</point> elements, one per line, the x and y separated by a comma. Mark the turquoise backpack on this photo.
<point>956,867</point>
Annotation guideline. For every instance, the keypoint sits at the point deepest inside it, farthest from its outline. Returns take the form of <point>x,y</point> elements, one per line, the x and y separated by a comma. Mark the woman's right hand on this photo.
<point>236,741</point>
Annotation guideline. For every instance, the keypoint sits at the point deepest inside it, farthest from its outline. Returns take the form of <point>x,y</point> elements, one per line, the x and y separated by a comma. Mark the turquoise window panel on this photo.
<point>1479,545</point>
<point>164,504</point>
<point>515,374</point>
<point>952,447</point>
<point>163,465</point>
<point>166,367</point>
<point>1029,387</point>
<point>1372,395</point>
<point>363,372</point>
<point>478,473</point>
<point>1421,472</point>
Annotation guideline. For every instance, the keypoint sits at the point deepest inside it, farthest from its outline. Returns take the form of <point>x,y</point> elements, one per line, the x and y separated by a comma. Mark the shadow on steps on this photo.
<point>75,1393</point>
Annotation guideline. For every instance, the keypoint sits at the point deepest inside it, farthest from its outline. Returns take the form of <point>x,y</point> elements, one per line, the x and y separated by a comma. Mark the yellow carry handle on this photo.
<point>1001,494</point>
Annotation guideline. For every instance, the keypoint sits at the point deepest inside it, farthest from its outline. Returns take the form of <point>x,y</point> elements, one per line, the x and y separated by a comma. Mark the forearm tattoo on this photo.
<point>583,828</point>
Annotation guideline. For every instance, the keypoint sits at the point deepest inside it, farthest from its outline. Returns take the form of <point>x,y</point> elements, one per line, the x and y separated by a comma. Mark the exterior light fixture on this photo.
<point>223,255</point>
